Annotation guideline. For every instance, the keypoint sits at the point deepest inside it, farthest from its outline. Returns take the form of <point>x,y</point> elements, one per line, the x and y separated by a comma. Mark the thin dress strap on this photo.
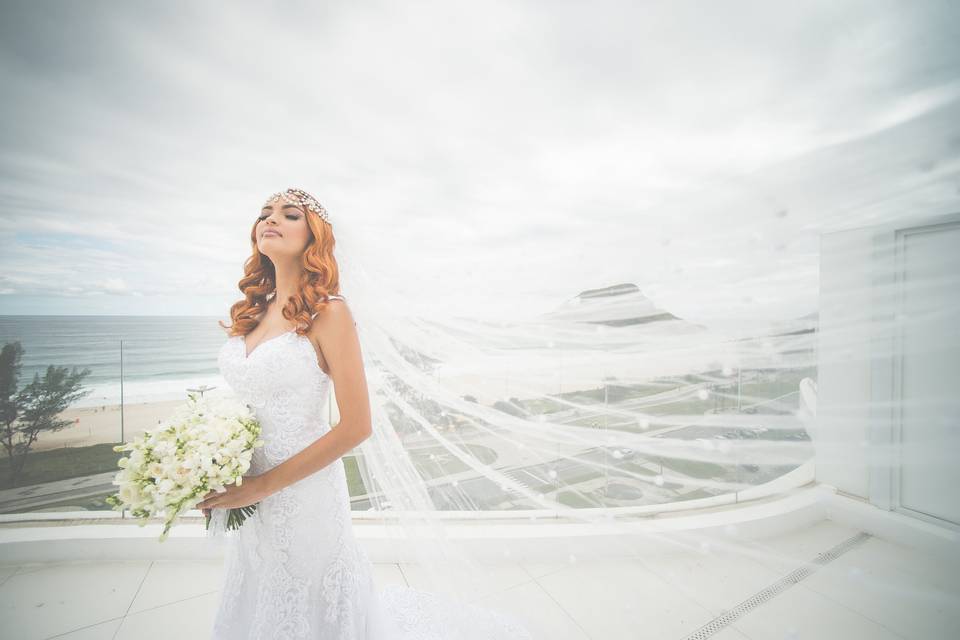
<point>332,296</point>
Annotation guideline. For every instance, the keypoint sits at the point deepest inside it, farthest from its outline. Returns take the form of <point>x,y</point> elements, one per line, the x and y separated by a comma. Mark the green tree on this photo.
<point>33,410</point>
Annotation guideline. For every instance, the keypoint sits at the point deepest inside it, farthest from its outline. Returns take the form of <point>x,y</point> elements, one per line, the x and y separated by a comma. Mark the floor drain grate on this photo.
<point>782,584</point>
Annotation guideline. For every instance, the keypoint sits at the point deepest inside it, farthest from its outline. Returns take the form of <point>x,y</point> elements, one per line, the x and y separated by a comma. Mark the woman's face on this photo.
<point>282,230</point>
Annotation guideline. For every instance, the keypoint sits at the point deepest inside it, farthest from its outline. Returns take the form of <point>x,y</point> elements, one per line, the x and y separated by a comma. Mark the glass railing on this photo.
<point>61,459</point>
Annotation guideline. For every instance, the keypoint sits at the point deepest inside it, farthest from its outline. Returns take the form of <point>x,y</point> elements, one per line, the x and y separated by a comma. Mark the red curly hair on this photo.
<point>320,278</point>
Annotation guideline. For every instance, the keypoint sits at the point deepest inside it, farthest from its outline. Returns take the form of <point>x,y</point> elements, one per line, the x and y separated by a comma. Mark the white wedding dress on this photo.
<point>294,569</point>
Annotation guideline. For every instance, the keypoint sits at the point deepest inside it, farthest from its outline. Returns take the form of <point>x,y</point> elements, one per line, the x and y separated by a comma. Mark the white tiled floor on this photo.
<point>877,591</point>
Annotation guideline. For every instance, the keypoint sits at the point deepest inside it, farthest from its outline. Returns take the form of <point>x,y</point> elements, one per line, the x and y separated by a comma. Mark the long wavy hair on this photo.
<point>320,279</point>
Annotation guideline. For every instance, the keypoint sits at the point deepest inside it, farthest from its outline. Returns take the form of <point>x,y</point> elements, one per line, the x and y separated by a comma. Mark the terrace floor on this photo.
<point>873,589</point>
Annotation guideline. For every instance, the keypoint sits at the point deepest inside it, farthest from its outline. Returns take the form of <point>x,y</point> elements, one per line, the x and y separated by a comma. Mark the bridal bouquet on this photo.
<point>202,447</point>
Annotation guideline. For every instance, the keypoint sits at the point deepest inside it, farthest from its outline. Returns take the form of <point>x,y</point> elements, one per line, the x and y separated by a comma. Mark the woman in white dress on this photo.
<point>294,568</point>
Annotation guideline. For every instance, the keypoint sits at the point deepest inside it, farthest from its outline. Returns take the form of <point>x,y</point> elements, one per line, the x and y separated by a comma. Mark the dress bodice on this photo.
<point>295,570</point>
<point>283,384</point>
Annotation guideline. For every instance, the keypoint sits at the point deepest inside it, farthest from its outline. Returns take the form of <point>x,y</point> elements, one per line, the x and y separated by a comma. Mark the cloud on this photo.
<point>558,136</point>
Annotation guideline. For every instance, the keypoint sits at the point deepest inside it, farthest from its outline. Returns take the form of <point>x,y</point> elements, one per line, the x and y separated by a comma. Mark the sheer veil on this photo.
<point>608,418</point>
<point>610,423</point>
<point>399,502</point>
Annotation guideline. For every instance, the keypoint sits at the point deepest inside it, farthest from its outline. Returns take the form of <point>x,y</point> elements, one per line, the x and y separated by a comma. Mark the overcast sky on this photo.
<point>518,151</point>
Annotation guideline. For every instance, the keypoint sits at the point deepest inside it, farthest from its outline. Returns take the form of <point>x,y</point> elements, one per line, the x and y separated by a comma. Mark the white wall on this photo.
<point>888,408</point>
<point>844,363</point>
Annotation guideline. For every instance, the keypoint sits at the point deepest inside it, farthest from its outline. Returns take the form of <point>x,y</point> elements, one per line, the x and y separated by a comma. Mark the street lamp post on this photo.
<point>739,386</point>
<point>201,389</point>
<point>606,460</point>
<point>121,390</point>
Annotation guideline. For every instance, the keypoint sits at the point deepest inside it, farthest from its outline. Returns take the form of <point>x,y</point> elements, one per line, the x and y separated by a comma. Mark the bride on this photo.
<point>294,569</point>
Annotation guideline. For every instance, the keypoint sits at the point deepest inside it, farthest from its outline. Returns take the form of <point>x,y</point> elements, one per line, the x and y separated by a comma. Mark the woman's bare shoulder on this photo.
<point>333,317</point>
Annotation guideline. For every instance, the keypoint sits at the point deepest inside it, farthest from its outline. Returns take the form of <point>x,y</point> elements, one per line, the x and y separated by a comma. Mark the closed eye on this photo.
<point>289,217</point>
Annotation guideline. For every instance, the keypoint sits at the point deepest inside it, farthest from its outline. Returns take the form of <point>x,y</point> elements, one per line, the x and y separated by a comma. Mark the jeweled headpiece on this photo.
<point>300,198</point>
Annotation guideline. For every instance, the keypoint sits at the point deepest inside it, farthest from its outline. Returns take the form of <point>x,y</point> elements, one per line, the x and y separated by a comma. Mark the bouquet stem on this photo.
<point>235,517</point>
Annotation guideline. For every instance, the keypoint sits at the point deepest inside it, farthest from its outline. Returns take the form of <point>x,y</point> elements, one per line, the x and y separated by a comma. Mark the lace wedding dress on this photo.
<point>294,569</point>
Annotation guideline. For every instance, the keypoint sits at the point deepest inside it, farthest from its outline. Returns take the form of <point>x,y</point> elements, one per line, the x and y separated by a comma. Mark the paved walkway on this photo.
<point>875,590</point>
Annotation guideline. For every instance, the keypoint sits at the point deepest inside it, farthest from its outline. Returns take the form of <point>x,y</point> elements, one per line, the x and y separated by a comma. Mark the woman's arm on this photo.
<point>336,333</point>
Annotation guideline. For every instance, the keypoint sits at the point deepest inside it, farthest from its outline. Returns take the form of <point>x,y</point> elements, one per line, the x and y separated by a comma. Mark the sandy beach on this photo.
<point>94,425</point>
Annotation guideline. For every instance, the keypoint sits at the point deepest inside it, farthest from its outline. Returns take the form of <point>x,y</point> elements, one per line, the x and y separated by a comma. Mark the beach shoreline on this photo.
<point>101,424</point>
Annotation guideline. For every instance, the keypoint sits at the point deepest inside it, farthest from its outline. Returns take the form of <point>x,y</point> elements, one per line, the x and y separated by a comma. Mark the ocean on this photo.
<point>163,356</point>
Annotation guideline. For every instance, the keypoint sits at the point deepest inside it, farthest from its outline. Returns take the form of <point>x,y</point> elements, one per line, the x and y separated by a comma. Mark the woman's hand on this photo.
<point>252,490</point>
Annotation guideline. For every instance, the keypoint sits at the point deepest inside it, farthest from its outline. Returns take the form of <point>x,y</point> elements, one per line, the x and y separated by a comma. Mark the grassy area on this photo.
<point>754,385</point>
<point>355,486</point>
<point>694,468</point>
<point>60,464</point>
<point>445,463</point>
<point>695,495</point>
<point>78,462</point>
<point>575,500</point>
<point>97,503</point>
<point>88,503</point>
<point>636,467</point>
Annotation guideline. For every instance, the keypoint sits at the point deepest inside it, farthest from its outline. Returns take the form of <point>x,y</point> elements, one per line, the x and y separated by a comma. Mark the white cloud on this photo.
<point>504,149</point>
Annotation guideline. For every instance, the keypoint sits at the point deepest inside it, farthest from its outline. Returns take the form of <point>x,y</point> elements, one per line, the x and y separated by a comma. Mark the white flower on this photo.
<point>203,446</point>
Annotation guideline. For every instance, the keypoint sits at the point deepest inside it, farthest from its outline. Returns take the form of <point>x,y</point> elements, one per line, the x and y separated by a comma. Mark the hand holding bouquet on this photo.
<point>203,447</point>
